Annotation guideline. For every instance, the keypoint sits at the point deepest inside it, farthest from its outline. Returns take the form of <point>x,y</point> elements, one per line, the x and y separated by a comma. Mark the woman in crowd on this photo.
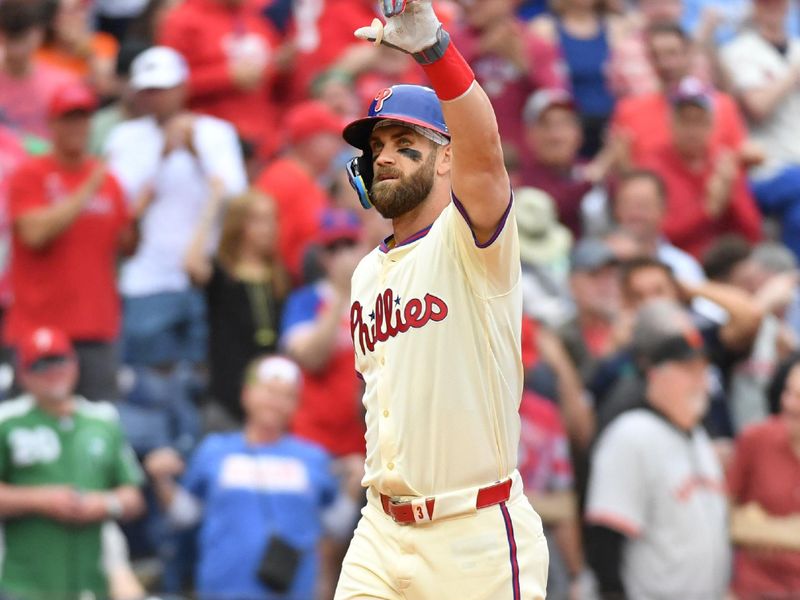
<point>764,485</point>
<point>586,32</point>
<point>245,285</point>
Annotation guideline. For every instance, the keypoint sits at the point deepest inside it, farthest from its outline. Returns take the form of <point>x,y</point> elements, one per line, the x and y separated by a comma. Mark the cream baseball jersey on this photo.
<point>435,323</point>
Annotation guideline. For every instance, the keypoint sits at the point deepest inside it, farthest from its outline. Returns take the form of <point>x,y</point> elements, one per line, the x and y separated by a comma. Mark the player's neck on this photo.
<point>421,217</point>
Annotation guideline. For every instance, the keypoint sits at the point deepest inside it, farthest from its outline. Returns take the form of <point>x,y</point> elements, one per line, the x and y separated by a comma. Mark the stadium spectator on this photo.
<point>544,249</point>
<point>764,65</point>
<point>50,508</point>
<point>231,72</point>
<point>71,45</point>
<point>116,16</point>
<point>70,224</point>
<point>595,291</point>
<point>586,33</point>
<point>768,273</point>
<point>26,86</point>
<point>263,498</point>
<point>125,106</point>
<point>726,317</point>
<point>707,193</point>
<point>324,37</point>
<point>640,205</point>
<point>656,504</point>
<point>631,72</point>
<point>245,285</point>
<point>295,179</point>
<point>12,155</point>
<point>160,156</point>
<point>645,120</point>
<point>553,137</point>
<point>145,27</point>
<point>315,332</point>
<point>510,63</point>
<point>763,481</point>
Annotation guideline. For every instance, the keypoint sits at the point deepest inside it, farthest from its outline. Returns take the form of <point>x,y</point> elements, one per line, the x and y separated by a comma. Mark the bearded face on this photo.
<point>394,194</point>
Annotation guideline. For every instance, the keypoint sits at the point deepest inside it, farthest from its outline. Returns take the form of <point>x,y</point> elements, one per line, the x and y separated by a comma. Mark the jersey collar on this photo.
<point>388,243</point>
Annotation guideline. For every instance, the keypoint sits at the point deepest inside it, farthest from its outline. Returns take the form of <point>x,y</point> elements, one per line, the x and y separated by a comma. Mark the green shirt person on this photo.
<point>65,468</point>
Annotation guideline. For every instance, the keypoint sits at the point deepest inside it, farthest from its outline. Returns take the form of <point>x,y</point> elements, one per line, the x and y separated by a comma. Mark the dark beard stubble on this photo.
<point>405,194</point>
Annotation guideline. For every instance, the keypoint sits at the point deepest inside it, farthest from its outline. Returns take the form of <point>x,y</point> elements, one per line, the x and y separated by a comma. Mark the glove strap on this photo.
<point>450,75</point>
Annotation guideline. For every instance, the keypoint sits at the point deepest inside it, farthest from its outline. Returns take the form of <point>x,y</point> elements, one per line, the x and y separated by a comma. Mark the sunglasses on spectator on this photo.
<point>44,364</point>
<point>340,244</point>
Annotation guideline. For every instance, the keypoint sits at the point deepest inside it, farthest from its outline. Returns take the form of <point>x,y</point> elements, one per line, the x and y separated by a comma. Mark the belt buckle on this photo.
<point>394,502</point>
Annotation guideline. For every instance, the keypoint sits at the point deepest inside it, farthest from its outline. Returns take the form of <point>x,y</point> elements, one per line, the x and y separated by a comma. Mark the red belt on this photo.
<point>403,512</point>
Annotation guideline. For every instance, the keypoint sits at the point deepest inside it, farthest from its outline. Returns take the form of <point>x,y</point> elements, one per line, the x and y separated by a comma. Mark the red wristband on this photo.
<point>450,76</point>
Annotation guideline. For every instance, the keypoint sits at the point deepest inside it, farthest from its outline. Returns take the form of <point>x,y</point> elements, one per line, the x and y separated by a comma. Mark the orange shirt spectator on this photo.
<point>230,49</point>
<point>71,45</point>
<point>100,46</point>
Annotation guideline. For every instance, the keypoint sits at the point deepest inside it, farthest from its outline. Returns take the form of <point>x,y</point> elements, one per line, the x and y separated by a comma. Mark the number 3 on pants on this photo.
<point>420,510</point>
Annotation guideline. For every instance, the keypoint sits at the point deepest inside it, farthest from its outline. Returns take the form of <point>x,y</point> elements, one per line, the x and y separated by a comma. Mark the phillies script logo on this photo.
<point>389,319</point>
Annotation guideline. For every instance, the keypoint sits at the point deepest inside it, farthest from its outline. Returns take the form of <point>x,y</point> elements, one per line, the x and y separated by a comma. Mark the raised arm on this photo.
<point>479,178</point>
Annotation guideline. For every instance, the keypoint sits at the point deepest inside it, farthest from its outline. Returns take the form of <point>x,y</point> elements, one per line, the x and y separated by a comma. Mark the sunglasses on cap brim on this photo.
<point>44,364</point>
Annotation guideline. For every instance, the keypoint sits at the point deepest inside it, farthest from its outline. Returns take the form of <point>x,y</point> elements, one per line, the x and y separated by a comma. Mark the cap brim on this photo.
<point>150,82</point>
<point>357,133</point>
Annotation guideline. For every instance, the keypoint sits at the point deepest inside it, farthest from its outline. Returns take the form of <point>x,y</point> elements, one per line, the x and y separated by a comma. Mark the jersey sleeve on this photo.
<point>493,267</point>
<point>616,496</point>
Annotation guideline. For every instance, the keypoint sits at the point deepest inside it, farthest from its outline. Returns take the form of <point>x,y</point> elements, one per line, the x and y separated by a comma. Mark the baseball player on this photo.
<point>435,320</point>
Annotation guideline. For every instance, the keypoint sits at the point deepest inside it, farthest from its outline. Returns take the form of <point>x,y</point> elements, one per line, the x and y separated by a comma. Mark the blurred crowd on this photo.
<point>177,238</point>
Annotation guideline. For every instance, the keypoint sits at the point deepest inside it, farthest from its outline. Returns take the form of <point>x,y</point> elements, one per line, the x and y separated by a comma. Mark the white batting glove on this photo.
<point>411,26</point>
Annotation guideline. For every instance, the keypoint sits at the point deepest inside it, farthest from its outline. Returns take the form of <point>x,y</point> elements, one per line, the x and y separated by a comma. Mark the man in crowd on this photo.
<point>296,179</point>
<point>70,223</point>
<point>644,120</point>
<point>553,137</point>
<point>66,469</point>
<point>262,497</point>
<point>764,64</point>
<point>26,87</point>
<point>231,51</point>
<point>509,61</point>
<point>656,502</point>
<point>316,334</point>
<point>159,159</point>
<point>640,205</point>
<point>594,284</point>
<point>707,193</point>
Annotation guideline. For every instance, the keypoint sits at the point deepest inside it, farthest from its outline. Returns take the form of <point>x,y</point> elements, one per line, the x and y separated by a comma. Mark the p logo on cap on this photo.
<point>380,98</point>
